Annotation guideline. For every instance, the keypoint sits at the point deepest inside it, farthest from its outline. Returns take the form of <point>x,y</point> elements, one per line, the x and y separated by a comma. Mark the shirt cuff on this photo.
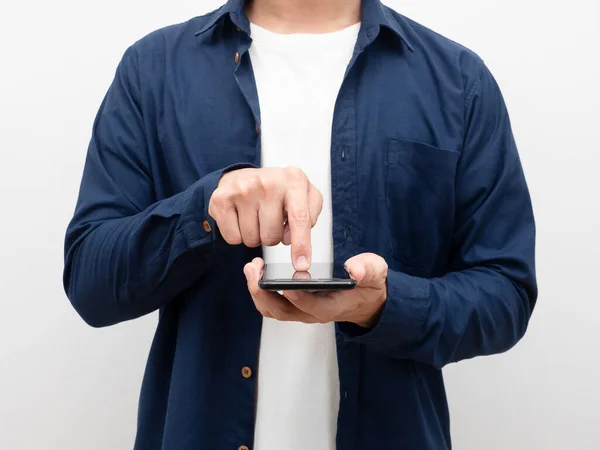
<point>402,321</point>
<point>199,227</point>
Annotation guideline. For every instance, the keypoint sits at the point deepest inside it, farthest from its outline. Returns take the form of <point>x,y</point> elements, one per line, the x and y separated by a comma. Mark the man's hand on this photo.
<point>268,206</point>
<point>361,305</point>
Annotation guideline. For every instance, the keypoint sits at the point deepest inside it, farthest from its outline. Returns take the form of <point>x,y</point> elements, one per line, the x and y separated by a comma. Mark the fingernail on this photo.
<point>347,267</point>
<point>302,263</point>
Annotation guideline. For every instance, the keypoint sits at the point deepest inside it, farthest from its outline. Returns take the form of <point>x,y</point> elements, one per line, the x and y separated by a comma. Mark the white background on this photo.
<point>65,386</point>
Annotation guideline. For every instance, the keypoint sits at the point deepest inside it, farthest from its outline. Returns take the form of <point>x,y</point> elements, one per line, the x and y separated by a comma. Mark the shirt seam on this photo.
<point>140,274</point>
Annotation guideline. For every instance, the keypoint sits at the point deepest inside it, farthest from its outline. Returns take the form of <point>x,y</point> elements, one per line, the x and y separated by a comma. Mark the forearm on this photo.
<point>464,314</point>
<point>483,303</point>
<point>121,268</point>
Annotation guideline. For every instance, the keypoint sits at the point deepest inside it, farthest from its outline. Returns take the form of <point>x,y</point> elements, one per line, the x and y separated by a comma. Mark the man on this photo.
<point>391,141</point>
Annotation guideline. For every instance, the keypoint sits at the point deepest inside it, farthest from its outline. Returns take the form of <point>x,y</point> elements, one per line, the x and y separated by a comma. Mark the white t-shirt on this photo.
<point>298,78</point>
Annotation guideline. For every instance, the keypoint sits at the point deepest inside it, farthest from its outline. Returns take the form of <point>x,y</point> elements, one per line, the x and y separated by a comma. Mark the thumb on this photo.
<point>368,269</point>
<point>253,270</point>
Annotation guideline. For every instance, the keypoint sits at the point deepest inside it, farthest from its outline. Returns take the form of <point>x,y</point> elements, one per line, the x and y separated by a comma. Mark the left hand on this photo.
<point>361,305</point>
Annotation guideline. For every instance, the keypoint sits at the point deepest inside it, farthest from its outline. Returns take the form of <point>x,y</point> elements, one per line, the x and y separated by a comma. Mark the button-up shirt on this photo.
<point>425,173</point>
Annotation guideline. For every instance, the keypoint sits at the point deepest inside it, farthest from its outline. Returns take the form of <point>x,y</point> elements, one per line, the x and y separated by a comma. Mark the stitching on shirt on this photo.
<point>471,94</point>
<point>468,102</point>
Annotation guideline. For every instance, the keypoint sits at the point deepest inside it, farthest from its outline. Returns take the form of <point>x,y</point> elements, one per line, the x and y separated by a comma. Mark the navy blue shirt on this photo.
<point>425,172</point>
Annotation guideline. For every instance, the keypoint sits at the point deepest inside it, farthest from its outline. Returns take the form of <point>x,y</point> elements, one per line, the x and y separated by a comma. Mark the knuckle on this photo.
<point>265,183</point>
<point>245,188</point>
<point>295,174</point>
<point>218,201</point>
<point>299,217</point>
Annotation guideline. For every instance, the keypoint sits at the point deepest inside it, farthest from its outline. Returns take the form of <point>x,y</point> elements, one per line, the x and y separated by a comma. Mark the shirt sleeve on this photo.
<point>127,254</point>
<point>483,304</point>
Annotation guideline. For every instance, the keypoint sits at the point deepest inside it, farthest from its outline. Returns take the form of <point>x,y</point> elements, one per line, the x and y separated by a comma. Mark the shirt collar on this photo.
<point>374,16</point>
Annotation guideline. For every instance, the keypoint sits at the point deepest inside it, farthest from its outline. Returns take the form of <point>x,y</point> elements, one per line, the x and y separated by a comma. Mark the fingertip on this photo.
<point>349,271</point>
<point>302,264</point>
<point>253,270</point>
<point>350,262</point>
<point>248,271</point>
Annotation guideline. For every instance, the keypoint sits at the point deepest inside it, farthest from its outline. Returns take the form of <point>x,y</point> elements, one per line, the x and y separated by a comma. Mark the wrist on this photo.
<point>375,313</point>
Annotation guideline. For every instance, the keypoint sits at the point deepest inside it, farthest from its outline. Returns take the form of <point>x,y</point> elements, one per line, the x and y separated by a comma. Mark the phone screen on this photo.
<point>320,276</point>
<point>317,272</point>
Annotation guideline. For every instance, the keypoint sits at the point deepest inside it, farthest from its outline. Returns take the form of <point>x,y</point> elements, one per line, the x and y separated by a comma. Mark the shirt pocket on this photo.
<point>420,204</point>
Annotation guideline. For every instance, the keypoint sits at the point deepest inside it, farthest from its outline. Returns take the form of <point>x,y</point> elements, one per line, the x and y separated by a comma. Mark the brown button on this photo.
<point>257,128</point>
<point>237,29</point>
<point>237,57</point>
<point>206,226</point>
<point>246,372</point>
<point>243,447</point>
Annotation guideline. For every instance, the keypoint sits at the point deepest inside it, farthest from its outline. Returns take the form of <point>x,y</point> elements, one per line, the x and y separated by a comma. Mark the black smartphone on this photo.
<point>320,277</point>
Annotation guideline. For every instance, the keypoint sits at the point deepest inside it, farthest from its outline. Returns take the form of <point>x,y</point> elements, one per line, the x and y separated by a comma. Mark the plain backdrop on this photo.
<point>66,386</point>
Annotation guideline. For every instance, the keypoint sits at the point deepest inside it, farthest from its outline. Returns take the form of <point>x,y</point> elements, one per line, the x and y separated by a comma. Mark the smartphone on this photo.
<point>320,277</point>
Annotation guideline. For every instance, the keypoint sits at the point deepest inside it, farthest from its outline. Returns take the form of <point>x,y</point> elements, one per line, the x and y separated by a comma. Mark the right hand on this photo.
<point>268,206</point>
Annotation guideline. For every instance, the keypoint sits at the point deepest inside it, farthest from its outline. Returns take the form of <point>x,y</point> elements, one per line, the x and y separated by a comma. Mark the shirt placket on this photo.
<point>244,430</point>
<point>346,231</point>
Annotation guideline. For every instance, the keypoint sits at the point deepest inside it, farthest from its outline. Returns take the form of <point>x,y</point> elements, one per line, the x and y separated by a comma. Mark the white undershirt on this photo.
<point>298,77</point>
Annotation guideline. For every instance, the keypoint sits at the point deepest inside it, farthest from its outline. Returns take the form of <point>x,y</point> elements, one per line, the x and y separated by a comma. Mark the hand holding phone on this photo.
<point>359,302</point>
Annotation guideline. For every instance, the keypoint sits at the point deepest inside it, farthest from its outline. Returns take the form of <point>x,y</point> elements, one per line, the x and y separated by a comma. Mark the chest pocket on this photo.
<point>420,203</point>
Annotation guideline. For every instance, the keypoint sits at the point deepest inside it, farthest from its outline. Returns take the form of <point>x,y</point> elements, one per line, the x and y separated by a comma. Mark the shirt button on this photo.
<point>207,226</point>
<point>246,372</point>
<point>243,447</point>
<point>237,57</point>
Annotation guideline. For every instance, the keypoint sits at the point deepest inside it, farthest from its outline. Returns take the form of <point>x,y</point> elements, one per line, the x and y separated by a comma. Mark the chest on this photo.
<point>388,140</point>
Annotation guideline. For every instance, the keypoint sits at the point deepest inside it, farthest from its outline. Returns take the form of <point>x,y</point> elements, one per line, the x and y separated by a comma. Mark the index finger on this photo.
<point>299,221</point>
